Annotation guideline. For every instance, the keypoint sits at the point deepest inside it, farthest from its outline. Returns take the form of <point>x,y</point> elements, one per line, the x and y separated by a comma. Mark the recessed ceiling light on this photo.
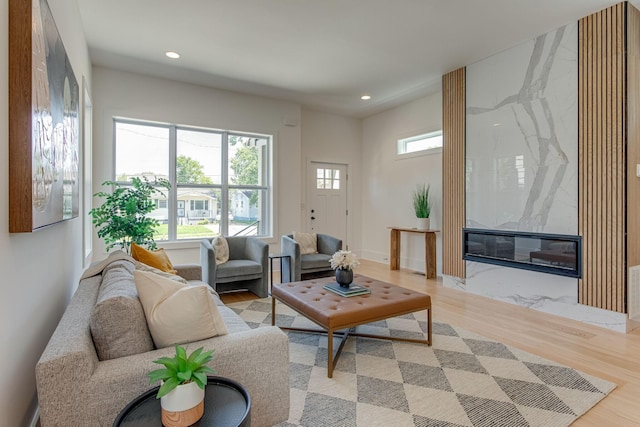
<point>365,97</point>
<point>172,55</point>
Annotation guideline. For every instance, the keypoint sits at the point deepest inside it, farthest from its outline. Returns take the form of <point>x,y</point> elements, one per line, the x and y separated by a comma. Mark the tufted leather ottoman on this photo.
<point>334,313</point>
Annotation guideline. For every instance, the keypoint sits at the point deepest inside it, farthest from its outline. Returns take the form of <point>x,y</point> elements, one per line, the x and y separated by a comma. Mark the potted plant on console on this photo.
<point>343,262</point>
<point>182,391</point>
<point>122,218</point>
<point>422,206</point>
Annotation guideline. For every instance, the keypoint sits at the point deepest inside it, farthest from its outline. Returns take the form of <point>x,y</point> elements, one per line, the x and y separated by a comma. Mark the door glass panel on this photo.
<point>327,179</point>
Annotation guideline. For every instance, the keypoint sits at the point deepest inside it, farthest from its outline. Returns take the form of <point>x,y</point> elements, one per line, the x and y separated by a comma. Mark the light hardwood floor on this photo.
<point>606,354</point>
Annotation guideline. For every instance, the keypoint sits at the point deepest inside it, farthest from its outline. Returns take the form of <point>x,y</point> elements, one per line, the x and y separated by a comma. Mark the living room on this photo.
<point>42,268</point>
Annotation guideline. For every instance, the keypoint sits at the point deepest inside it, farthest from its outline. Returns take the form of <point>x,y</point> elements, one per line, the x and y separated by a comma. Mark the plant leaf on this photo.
<point>159,374</point>
<point>168,385</point>
<point>184,376</point>
<point>200,379</point>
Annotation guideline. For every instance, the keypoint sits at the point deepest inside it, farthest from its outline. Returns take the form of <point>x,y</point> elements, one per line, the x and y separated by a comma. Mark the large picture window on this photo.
<point>220,180</point>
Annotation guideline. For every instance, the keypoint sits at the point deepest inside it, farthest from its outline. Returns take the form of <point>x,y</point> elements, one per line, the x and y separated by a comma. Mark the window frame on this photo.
<point>265,227</point>
<point>401,144</point>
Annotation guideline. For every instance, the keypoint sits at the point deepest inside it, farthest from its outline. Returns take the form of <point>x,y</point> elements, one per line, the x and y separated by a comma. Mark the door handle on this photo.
<point>313,217</point>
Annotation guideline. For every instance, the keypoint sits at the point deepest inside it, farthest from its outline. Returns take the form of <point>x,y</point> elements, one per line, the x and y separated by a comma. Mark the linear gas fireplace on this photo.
<point>548,253</point>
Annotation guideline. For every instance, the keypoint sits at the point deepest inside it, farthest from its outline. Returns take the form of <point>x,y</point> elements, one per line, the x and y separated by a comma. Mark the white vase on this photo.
<point>182,406</point>
<point>423,223</point>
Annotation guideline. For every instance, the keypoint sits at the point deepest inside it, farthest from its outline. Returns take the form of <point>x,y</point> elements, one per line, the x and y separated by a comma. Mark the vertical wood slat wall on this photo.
<point>633,137</point>
<point>453,171</point>
<point>602,159</point>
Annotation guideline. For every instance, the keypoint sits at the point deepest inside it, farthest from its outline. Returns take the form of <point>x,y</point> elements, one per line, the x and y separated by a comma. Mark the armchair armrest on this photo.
<point>208,262</point>
<point>189,271</point>
<point>291,266</point>
<point>257,250</point>
<point>328,244</point>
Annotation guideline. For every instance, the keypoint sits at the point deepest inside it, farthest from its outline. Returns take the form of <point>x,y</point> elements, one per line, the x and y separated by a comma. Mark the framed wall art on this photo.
<point>43,121</point>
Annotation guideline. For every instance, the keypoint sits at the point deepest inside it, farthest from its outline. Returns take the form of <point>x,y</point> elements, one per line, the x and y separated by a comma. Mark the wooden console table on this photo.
<point>429,249</point>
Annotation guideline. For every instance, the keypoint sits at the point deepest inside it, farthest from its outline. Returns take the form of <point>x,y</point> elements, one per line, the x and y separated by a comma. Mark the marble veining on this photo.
<point>522,136</point>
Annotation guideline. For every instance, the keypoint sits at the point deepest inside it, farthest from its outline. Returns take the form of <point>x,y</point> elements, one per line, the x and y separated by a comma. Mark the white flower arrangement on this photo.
<point>345,260</point>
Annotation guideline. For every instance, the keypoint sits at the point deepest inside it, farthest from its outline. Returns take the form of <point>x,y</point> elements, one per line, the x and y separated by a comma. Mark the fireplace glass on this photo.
<point>548,253</point>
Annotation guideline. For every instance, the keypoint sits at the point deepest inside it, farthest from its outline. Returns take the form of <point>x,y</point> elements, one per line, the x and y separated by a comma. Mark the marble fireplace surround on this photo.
<point>521,168</point>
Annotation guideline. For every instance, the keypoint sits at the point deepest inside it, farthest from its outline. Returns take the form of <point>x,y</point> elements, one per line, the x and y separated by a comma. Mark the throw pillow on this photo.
<point>144,267</point>
<point>308,242</point>
<point>176,313</point>
<point>221,247</point>
<point>157,259</point>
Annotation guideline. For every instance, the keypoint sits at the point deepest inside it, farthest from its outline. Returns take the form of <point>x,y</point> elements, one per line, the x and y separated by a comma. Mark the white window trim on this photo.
<point>269,186</point>
<point>420,153</point>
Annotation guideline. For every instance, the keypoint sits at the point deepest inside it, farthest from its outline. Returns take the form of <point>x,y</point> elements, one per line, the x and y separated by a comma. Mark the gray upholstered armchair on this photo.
<point>247,267</point>
<point>300,267</point>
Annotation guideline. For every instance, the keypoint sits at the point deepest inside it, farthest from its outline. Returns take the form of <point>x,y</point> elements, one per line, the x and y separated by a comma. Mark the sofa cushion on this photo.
<point>308,242</point>
<point>238,267</point>
<point>315,261</point>
<point>157,259</point>
<point>177,313</point>
<point>221,247</point>
<point>118,324</point>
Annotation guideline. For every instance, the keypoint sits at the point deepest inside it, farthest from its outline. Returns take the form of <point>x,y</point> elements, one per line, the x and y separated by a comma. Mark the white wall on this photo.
<point>124,94</point>
<point>388,182</point>
<point>40,270</point>
<point>330,138</point>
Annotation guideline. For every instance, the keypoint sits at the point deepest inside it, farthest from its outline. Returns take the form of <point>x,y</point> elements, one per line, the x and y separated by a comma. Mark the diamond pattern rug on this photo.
<point>462,380</point>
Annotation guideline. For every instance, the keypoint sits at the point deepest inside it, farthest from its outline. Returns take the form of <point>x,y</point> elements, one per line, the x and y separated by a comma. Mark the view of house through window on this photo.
<point>220,181</point>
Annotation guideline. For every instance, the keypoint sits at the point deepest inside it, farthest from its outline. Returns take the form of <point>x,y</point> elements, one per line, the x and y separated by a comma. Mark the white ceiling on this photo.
<point>321,53</point>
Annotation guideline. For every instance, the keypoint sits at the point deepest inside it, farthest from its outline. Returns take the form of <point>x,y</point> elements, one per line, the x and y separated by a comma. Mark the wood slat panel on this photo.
<point>633,138</point>
<point>453,171</point>
<point>602,158</point>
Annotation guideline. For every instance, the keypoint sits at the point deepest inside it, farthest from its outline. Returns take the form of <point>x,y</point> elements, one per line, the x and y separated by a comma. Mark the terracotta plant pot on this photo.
<point>182,406</point>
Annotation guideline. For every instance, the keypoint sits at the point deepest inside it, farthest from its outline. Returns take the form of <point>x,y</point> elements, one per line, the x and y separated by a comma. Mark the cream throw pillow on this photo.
<point>177,313</point>
<point>221,246</point>
<point>308,242</point>
<point>144,267</point>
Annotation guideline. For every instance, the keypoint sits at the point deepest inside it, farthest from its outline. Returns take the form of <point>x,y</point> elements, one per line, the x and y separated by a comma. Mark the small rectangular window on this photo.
<point>424,142</point>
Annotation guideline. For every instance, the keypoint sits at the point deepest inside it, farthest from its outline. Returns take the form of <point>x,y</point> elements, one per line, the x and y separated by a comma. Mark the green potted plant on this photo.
<point>182,391</point>
<point>422,206</point>
<point>122,218</point>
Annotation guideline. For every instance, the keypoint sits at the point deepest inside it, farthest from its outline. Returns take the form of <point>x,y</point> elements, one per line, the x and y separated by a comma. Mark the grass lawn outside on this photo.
<point>185,232</point>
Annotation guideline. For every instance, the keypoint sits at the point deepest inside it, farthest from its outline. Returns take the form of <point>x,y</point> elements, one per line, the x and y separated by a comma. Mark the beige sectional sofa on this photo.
<point>77,388</point>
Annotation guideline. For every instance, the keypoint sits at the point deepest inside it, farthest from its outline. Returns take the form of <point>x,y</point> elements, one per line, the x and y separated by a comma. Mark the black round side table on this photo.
<point>226,404</point>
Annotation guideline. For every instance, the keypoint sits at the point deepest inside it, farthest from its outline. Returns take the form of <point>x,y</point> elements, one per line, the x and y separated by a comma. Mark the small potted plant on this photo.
<point>343,262</point>
<point>182,391</point>
<point>422,206</point>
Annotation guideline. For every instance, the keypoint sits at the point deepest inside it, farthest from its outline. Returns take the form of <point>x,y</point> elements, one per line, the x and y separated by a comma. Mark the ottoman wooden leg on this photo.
<point>330,354</point>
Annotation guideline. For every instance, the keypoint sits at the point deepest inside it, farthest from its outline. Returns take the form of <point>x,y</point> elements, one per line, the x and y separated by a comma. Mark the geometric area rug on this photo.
<point>463,379</point>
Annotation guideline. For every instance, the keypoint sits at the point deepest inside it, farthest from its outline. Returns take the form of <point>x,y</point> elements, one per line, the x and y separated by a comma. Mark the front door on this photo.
<point>327,200</point>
